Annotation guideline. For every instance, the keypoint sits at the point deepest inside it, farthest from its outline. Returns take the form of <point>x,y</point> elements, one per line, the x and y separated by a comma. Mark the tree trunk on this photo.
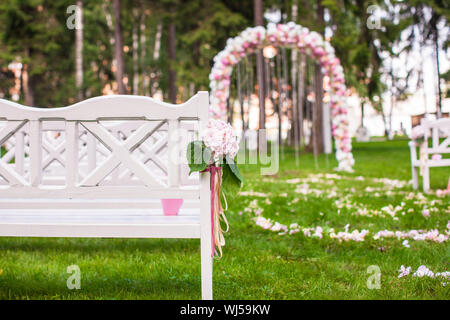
<point>390,116</point>
<point>172,57</point>
<point>280,101</point>
<point>250,86</point>
<point>295,108</point>
<point>439,93</point>
<point>362,114</point>
<point>230,104</point>
<point>109,23</point>
<point>259,21</point>
<point>191,89</point>
<point>27,88</point>
<point>240,97</point>
<point>301,97</point>
<point>285,94</point>
<point>135,53</point>
<point>118,52</point>
<point>383,117</point>
<point>318,110</point>
<point>144,75</point>
<point>425,103</point>
<point>261,91</point>
<point>156,53</point>
<point>393,83</point>
<point>79,51</point>
<point>27,85</point>
<point>309,74</point>
<point>318,107</point>
<point>157,41</point>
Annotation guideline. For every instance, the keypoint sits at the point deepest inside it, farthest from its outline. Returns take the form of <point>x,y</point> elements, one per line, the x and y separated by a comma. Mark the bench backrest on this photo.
<point>104,147</point>
<point>438,129</point>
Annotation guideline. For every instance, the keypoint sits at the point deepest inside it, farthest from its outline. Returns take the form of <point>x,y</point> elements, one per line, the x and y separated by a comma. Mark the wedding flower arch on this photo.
<point>289,35</point>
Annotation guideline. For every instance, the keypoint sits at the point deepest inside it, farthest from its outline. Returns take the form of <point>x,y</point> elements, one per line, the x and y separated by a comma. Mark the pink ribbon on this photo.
<point>213,170</point>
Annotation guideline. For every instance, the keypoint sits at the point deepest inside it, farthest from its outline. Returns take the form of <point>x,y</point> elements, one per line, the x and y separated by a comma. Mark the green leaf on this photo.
<point>234,169</point>
<point>198,156</point>
<point>231,178</point>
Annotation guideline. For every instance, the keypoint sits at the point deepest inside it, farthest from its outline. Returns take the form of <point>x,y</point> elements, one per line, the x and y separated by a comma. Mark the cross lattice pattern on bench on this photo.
<point>439,129</point>
<point>99,169</point>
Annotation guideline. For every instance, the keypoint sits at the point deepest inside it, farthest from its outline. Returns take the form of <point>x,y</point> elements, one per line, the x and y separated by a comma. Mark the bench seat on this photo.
<point>101,223</point>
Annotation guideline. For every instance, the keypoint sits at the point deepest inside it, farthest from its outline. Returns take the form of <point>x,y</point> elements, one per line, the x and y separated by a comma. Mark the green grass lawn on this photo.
<point>260,263</point>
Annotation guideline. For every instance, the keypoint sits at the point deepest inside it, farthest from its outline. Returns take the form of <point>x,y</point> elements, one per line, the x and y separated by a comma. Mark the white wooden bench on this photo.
<point>436,130</point>
<point>99,169</point>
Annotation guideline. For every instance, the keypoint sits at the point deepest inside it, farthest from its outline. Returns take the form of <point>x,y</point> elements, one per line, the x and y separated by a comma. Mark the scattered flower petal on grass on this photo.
<point>345,201</point>
<point>424,272</point>
<point>417,235</point>
<point>252,193</point>
<point>355,235</point>
<point>404,271</point>
<point>426,213</point>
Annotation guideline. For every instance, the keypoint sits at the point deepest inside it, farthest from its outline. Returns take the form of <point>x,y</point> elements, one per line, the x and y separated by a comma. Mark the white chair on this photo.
<point>434,130</point>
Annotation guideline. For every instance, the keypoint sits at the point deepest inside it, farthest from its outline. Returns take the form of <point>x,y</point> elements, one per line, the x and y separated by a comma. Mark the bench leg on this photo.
<point>207,267</point>
<point>415,177</point>
<point>426,179</point>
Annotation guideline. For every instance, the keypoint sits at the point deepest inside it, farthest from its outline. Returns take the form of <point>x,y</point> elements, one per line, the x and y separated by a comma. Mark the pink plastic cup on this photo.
<point>171,207</point>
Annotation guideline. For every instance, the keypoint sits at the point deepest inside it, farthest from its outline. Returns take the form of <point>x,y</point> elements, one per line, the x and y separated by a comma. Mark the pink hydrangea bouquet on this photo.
<point>216,153</point>
<point>217,148</point>
<point>221,139</point>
